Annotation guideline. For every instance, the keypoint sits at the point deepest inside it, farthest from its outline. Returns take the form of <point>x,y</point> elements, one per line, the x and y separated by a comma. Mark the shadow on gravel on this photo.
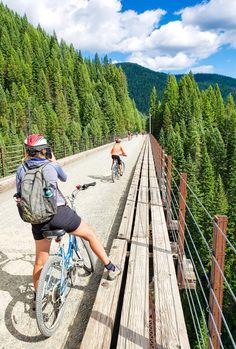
<point>103,179</point>
<point>20,288</point>
<point>78,327</point>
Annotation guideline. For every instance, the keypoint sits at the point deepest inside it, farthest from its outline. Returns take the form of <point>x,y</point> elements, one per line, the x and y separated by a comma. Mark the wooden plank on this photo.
<point>189,275</point>
<point>128,215</point>
<point>170,325</point>
<point>134,323</point>
<point>100,326</point>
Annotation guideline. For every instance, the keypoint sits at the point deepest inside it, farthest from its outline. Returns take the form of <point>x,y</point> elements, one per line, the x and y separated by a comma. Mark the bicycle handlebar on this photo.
<point>85,186</point>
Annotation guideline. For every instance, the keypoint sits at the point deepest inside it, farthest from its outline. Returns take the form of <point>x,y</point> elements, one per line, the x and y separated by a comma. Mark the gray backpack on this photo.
<point>37,202</point>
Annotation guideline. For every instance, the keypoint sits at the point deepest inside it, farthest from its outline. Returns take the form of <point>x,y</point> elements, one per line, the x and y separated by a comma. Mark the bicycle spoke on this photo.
<point>51,296</point>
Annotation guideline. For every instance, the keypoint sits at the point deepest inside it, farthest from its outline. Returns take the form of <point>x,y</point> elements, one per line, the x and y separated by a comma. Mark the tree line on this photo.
<point>48,87</point>
<point>199,130</point>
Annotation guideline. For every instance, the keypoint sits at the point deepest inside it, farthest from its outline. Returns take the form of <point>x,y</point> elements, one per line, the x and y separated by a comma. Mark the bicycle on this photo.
<point>59,274</point>
<point>115,169</point>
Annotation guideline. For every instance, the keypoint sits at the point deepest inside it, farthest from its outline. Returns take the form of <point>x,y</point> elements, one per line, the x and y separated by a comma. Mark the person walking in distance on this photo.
<point>116,151</point>
<point>65,218</point>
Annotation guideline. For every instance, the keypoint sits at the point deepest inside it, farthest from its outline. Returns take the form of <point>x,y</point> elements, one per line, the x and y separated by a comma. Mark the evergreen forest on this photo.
<point>199,130</point>
<point>141,80</point>
<point>47,87</point>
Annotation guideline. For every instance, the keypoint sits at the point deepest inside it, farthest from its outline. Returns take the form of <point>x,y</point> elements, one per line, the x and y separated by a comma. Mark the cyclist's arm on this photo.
<point>60,173</point>
<point>19,174</point>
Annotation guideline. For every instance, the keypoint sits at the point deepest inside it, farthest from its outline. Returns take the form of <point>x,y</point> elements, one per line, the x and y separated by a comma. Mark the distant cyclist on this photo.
<point>65,218</point>
<point>116,151</point>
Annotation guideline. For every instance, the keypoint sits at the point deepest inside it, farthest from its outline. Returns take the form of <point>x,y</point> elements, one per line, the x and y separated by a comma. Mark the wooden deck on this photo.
<point>123,315</point>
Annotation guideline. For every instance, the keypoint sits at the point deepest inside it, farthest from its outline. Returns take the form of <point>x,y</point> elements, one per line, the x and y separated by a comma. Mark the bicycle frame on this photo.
<point>66,259</point>
<point>72,246</point>
<point>59,274</point>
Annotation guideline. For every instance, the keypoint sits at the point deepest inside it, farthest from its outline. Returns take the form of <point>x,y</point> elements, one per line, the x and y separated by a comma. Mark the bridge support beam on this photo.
<point>217,281</point>
<point>182,210</point>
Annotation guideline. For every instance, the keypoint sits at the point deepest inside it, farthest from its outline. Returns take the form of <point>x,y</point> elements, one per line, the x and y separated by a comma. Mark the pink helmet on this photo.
<point>35,142</point>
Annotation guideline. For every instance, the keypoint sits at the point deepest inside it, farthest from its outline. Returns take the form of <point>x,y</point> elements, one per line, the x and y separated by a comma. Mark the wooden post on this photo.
<point>217,281</point>
<point>162,183</point>
<point>168,190</point>
<point>2,161</point>
<point>182,209</point>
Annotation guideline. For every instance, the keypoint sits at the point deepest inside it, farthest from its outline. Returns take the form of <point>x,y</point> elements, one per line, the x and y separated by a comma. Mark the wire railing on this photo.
<point>200,249</point>
<point>11,156</point>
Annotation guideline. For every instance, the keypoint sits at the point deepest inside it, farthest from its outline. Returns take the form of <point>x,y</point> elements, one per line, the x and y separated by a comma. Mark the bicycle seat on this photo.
<point>54,234</point>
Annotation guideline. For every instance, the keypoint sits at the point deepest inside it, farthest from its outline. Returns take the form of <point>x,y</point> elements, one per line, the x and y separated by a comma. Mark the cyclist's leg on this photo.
<point>119,166</point>
<point>42,248</point>
<point>87,233</point>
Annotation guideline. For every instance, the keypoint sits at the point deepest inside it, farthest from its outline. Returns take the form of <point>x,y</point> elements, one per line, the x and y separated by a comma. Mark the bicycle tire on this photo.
<point>87,255</point>
<point>114,172</point>
<point>48,295</point>
<point>122,167</point>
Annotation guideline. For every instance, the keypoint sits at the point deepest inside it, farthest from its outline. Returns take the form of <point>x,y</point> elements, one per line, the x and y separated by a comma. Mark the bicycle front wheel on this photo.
<point>51,296</point>
<point>85,255</point>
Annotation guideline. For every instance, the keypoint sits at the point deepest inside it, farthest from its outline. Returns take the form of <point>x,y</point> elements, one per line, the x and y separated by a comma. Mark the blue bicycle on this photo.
<point>59,274</point>
<point>115,169</point>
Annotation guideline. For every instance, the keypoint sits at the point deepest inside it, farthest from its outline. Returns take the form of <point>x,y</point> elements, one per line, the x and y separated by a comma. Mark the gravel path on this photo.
<point>101,206</point>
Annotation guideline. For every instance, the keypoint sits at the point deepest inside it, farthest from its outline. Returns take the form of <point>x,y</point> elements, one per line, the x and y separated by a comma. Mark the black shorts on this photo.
<point>65,218</point>
<point>116,157</point>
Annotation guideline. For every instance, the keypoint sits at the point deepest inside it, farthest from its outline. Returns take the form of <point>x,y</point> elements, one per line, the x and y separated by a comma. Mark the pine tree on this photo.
<point>156,123</point>
<point>206,180</point>
<point>167,119</point>
<point>221,202</point>
<point>171,97</point>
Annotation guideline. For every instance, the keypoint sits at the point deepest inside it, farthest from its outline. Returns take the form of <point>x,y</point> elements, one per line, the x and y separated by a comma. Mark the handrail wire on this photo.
<point>188,292</point>
<point>211,290</point>
<point>210,250</point>
<point>208,214</point>
<point>200,283</point>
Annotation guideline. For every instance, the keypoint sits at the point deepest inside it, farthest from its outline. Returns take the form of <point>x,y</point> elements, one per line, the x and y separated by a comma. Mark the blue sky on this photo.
<point>172,36</point>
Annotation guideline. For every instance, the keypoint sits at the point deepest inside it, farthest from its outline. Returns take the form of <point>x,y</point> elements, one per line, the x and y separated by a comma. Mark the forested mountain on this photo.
<point>141,81</point>
<point>198,128</point>
<point>47,87</point>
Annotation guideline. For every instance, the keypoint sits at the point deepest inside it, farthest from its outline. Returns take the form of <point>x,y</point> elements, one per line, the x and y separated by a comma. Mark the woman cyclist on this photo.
<point>65,218</point>
<point>116,151</point>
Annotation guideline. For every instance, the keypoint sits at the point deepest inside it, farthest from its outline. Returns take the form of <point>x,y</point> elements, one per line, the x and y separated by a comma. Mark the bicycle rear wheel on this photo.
<point>85,254</point>
<point>122,167</point>
<point>51,297</point>
<point>114,172</point>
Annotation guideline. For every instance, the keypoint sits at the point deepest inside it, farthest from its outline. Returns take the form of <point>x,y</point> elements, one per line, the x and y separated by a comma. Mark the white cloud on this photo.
<point>203,69</point>
<point>215,14</point>
<point>158,63</point>
<point>91,25</point>
<point>219,16</point>
<point>176,37</point>
<point>101,26</point>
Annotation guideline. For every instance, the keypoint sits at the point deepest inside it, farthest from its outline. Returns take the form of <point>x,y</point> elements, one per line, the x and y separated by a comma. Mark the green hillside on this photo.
<point>47,87</point>
<point>198,128</point>
<point>141,81</point>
